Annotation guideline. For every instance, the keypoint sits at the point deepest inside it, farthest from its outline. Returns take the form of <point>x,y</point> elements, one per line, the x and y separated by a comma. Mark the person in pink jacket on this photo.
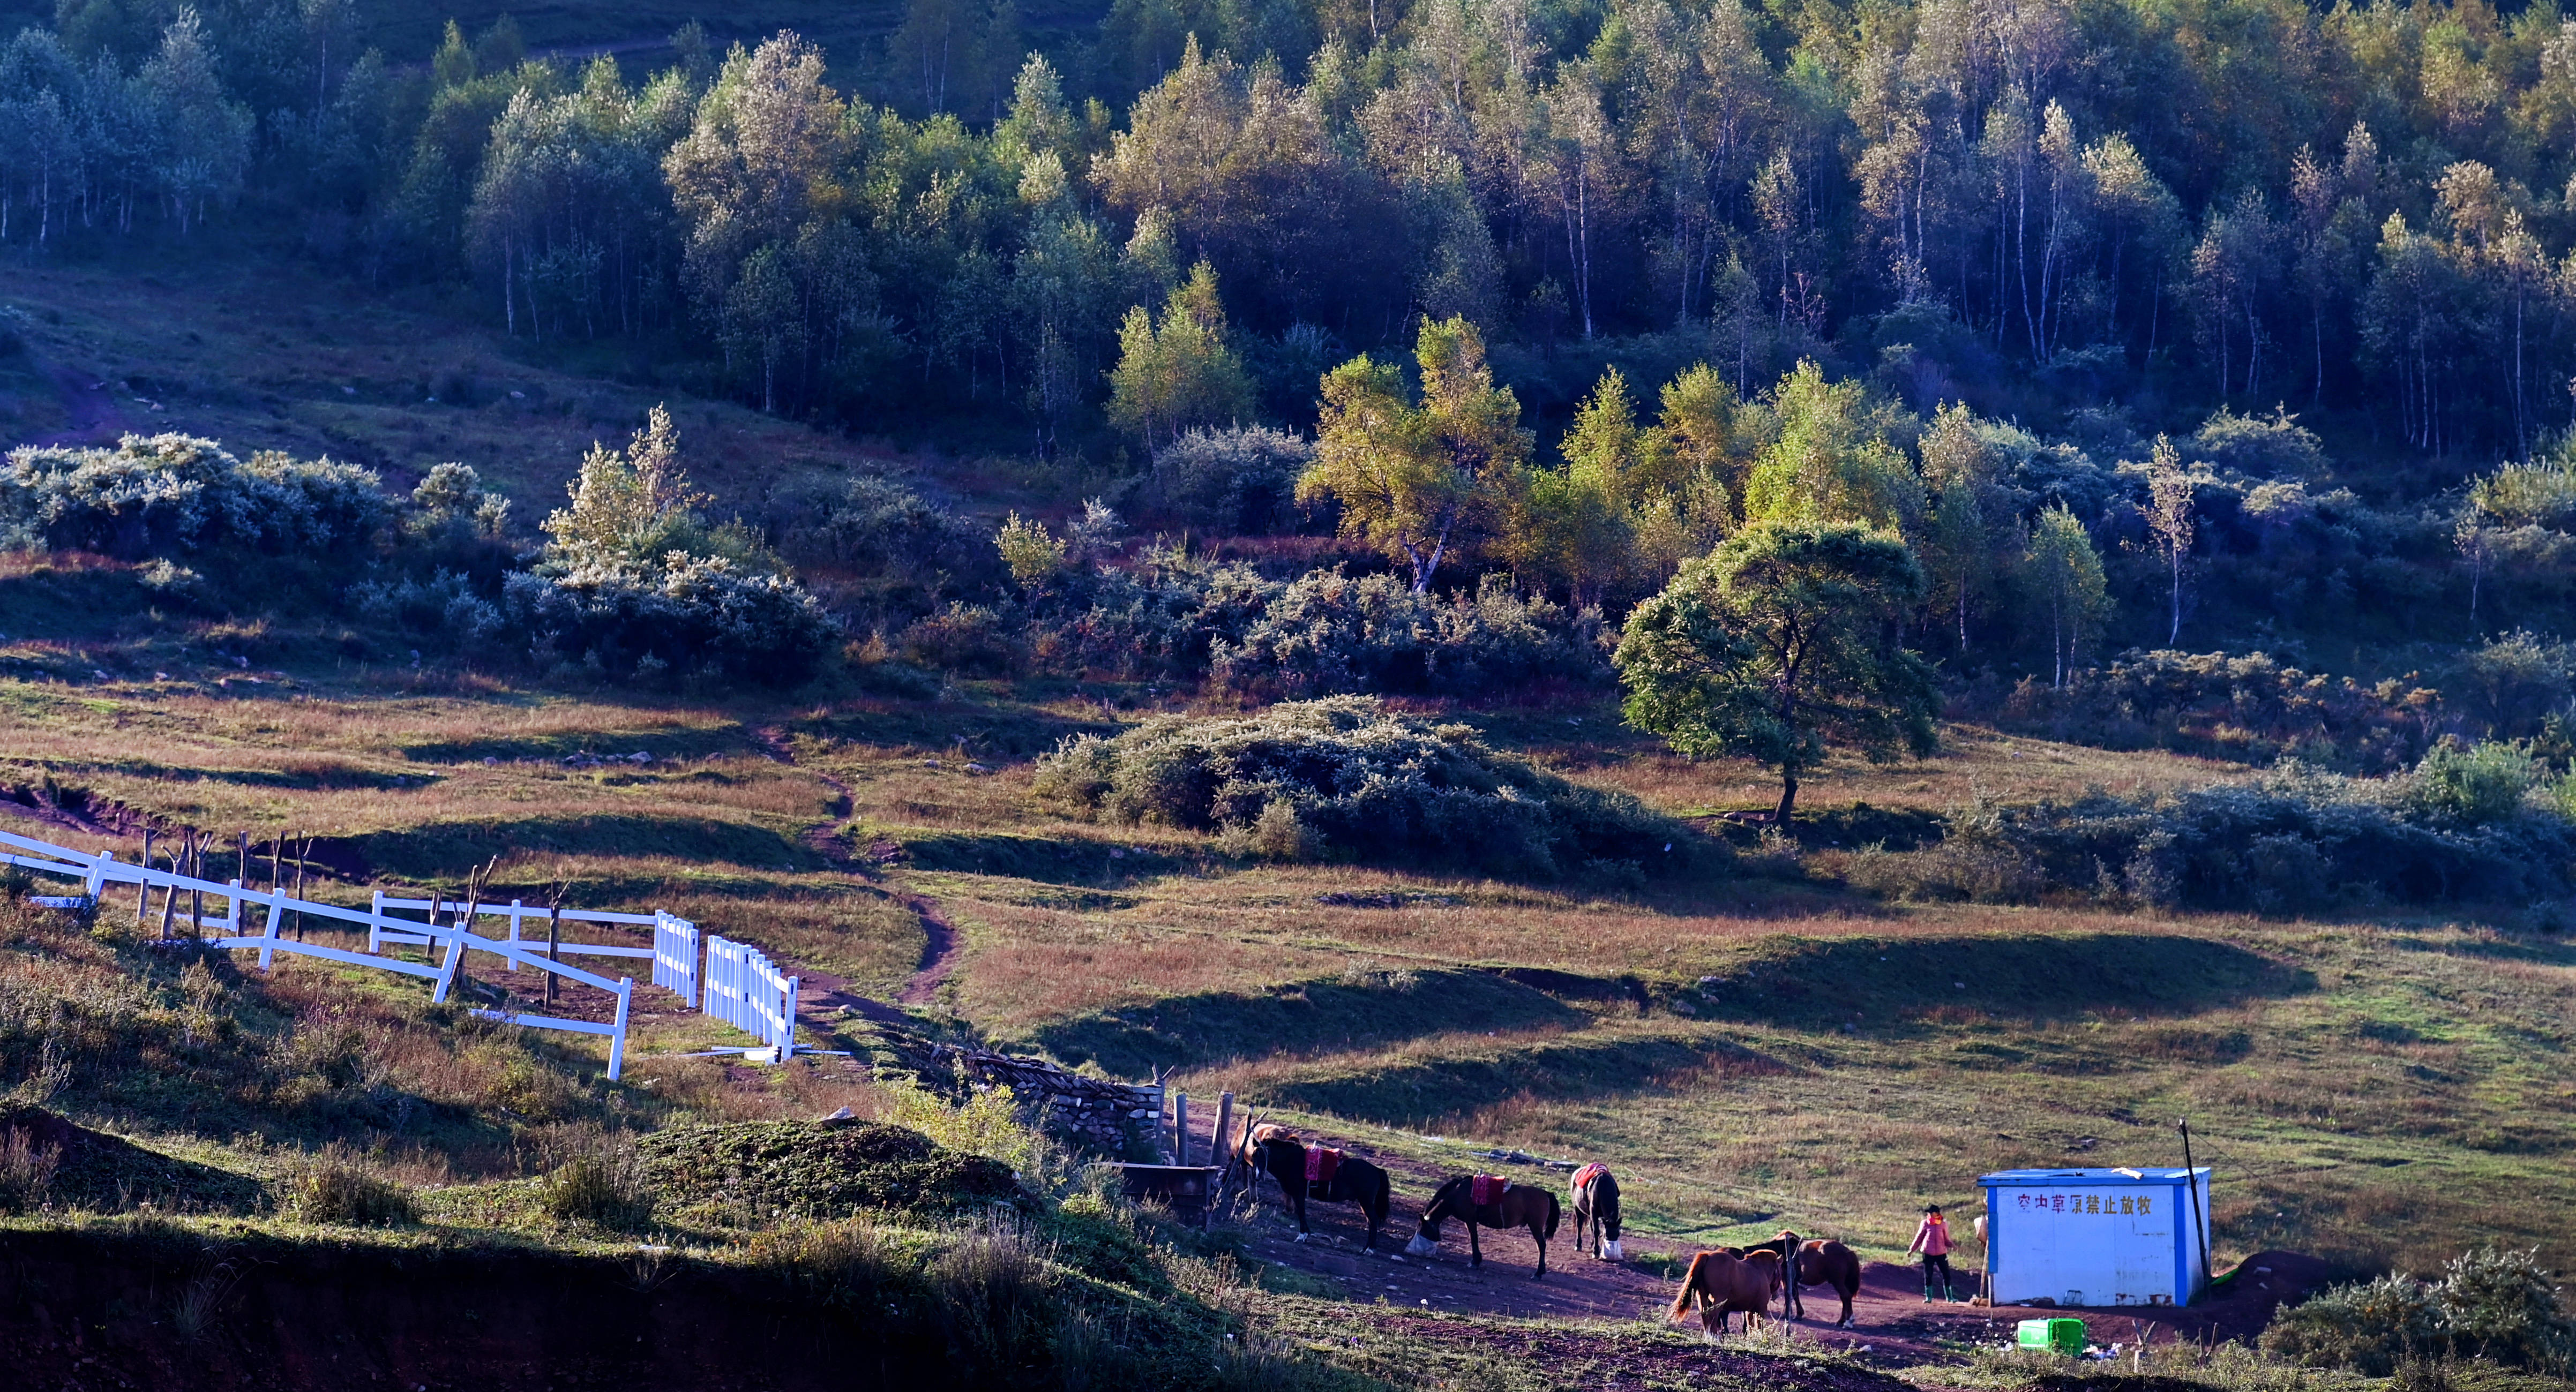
<point>1932,1239</point>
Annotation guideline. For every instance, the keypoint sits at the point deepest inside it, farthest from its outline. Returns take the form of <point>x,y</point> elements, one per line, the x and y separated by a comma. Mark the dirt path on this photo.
<point>89,409</point>
<point>941,946</point>
<point>1890,1316</point>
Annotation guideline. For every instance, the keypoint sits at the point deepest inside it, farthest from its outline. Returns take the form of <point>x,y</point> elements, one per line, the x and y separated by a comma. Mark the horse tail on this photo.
<point>1555,1211</point>
<point>1690,1284</point>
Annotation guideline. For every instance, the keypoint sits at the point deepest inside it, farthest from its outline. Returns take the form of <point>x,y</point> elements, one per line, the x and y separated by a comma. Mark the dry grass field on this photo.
<point>1758,1045</point>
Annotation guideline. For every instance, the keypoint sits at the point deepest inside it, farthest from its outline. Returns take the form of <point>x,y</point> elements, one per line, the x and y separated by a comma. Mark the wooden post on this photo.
<point>1180,1128</point>
<point>276,860</point>
<point>143,886</point>
<point>1221,1140</point>
<point>303,853</point>
<point>197,843</point>
<point>170,893</point>
<point>554,942</point>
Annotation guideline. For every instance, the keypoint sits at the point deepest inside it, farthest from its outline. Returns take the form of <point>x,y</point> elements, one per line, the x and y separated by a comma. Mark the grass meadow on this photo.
<point>1761,1045</point>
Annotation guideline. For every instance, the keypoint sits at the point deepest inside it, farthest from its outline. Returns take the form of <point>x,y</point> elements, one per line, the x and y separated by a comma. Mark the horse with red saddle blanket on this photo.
<point>1318,1172</point>
<point>1488,1201</point>
<point>1595,1192</point>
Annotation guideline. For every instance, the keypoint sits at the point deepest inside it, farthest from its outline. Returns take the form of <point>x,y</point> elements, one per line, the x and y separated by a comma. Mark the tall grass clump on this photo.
<point>1345,778</point>
<point>2495,1305</point>
<point>597,1181</point>
<point>338,1186</point>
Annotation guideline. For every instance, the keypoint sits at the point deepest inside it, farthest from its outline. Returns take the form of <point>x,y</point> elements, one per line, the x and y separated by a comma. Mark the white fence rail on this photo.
<point>96,872</point>
<point>732,981</point>
<point>746,991</point>
<point>675,956</point>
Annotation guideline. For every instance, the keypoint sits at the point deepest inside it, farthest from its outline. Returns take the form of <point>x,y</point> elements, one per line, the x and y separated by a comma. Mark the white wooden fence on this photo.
<point>746,991</point>
<point>733,981</point>
<point>381,920</point>
<point>675,956</point>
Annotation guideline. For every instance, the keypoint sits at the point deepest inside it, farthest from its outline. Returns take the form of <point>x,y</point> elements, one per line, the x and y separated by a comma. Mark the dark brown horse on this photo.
<point>1514,1206</point>
<point>1817,1263</point>
<point>1596,1200</point>
<point>1726,1283</point>
<point>1353,1180</point>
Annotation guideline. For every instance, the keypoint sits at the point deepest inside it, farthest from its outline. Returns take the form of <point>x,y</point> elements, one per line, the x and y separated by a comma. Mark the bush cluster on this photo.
<point>2483,824</point>
<point>1344,777</point>
<point>1235,482</point>
<point>697,614</point>
<point>2501,1306</point>
<point>1328,634</point>
<point>337,1186</point>
<point>165,495</point>
<point>2252,708</point>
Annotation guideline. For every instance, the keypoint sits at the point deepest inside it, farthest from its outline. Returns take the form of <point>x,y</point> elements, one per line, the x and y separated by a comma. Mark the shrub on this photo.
<point>443,605</point>
<point>1163,616</point>
<point>884,550</point>
<point>1362,783</point>
<point>1240,481</point>
<point>2494,1305</point>
<point>27,1166</point>
<point>2262,447</point>
<point>967,638</point>
<point>1329,633</point>
<point>2249,709</point>
<point>338,1187</point>
<point>2293,840</point>
<point>158,495</point>
<point>697,614</point>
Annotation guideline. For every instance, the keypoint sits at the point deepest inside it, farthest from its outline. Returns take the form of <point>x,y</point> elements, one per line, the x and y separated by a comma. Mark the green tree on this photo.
<point>2169,519</point>
<point>1779,645</point>
<point>627,507</point>
<point>1829,458</point>
<point>2065,577</point>
<point>1958,543</point>
<point>1180,372</point>
<point>1416,480</point>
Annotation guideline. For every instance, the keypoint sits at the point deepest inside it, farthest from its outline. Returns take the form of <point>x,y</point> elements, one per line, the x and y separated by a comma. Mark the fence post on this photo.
<point>514,935</point>
<point>1181,1128</point>
<point>787,1037</point>
<point>376,924</point>
<point>617,1041</point>
<point>1220,1141</point>
<point>98,875</point>
<point>232,911</point>
<point>276,911</point>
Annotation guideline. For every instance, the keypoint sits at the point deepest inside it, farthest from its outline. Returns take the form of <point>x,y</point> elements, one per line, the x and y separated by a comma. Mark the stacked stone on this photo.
<point>1092,1111</point>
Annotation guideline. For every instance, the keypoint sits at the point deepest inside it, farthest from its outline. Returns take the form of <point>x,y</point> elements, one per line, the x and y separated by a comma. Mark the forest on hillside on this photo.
<point>2227,325</point>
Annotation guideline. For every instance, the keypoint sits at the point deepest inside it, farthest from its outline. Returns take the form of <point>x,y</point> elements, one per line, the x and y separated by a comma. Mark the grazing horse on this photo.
<point>1596,1199</point>
<point>1725,1284</point>
<point>1505,1206</point>
<point>1274,1151</point>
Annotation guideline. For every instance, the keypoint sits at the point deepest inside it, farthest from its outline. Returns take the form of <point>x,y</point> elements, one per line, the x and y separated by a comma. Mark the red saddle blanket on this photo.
<point>1322,1164</point>
<point>1484,1189</point>
<point>1589,1173</point>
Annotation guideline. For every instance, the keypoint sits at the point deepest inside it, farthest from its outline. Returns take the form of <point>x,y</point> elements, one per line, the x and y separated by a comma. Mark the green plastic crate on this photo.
<point>2064,1336</point>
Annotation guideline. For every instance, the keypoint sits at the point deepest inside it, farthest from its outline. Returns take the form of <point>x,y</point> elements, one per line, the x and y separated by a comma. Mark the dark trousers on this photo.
<point>1932,1264</point>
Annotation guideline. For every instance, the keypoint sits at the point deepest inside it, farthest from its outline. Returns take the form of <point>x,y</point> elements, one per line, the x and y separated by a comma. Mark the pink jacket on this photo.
<point>1932,1239</point>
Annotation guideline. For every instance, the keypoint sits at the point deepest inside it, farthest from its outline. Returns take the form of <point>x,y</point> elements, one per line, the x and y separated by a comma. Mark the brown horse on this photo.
<point>1516,1206</point>
<point>1596,1200</point>
<point>1818,1263</point>
<point>1726,1284</point>
<point>1274,1151</point>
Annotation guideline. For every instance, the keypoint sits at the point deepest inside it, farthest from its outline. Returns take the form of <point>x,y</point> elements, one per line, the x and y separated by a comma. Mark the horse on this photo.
<point>1517,1206</point>
<point>1273,1150</point>
<point>1595,1192</point>
<point>1726,1284</point>
<point>1816,1263</point>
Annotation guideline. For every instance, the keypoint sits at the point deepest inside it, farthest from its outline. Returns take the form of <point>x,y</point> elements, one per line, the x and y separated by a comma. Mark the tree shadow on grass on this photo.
<point>1369,1010</point>
<point>453,848</point>
<point>2025,977</point>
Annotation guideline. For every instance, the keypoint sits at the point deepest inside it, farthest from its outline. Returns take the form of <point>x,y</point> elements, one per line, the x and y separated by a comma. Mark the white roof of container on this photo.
<point>2158,1174</point>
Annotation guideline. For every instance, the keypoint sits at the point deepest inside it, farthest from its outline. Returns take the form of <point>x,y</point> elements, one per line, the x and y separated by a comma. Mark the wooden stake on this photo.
<point>170,894</point>
<point>197,843</point>
<point>554,937</point>
<point>304,852</point>
<point>143,886</point>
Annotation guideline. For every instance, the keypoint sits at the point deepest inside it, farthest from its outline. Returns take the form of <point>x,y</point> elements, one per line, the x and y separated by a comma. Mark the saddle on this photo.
<point>1584,1177</point>
<point>1484,1189</point>
<point>1322,1164</point>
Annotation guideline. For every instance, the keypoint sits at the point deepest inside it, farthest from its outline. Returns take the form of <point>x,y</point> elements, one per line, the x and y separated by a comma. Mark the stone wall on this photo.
<point>1092,1112</point>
